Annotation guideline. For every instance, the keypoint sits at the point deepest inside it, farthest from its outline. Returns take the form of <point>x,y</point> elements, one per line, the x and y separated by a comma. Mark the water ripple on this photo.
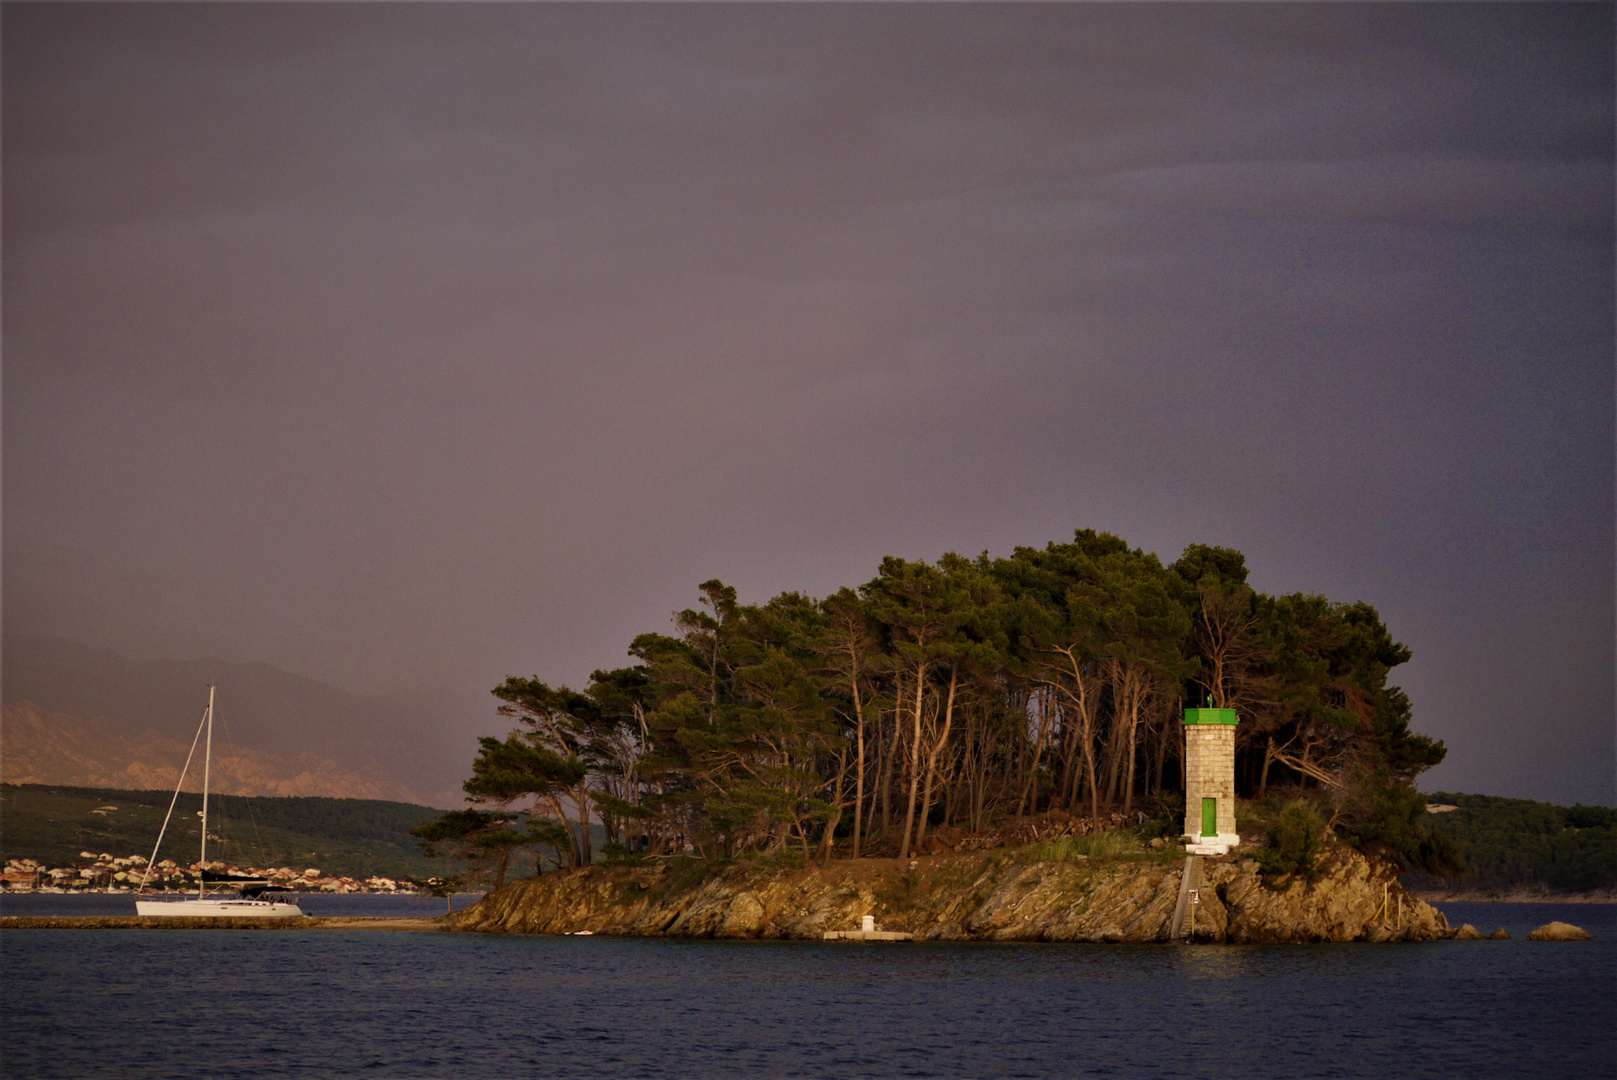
<point>206,1003</point>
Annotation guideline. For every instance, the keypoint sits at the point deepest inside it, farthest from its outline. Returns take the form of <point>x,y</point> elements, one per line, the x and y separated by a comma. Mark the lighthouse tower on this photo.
<point>1210,781</point>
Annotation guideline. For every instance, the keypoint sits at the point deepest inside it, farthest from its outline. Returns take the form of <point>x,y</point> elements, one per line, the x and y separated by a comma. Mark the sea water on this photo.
<point>323,905</point>
<point>203,1003</point>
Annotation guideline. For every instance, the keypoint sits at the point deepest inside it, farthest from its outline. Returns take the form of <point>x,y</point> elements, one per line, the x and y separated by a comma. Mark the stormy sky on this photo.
<point>416,345</point>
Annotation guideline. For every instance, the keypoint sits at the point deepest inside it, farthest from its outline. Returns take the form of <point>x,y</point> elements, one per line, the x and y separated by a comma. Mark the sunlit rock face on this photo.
<point>976,896</point>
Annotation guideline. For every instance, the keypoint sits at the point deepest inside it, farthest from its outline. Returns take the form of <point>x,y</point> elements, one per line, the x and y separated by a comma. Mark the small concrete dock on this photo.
<point>867,932</point>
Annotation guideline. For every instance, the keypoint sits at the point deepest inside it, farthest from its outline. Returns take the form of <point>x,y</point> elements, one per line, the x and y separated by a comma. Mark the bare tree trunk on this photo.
<point>1031,779</point>
<point>1094,781</point>
<point>1115,741</point>
<point>586,855</point>
<point>859,771</point>
<point>980,797</point>
<point>1084,697</point>
<point>829,839</point>
<point>1162,748</point>
<point>1069,796</point>
<point>1111,755</point>
<point>1069,760</point>
<point>915,762</point>
<point>954,790</point>
<point>937,748</point>
<point>974,812</point>
<point>971,773</point>
<point>1134,728</point>
<point>890,757</point>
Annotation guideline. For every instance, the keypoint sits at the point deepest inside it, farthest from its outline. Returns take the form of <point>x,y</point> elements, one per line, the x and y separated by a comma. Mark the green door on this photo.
<point>1209,817</point>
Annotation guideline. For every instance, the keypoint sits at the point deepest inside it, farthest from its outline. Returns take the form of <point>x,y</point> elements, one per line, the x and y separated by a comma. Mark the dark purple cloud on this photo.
<point>410,344</point>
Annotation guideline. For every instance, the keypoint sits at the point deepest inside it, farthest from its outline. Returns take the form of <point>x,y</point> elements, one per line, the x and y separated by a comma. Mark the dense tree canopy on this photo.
<point>1515,843</point>
<point>952,694</point>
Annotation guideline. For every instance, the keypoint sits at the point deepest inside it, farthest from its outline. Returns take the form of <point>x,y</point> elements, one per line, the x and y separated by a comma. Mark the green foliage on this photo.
<point>488,840</point>
<point>1590,817</point>
<point>1250,817</point>
<point>346,837</point>
<point>957,692</point>
<point>1168,818</point>
<point>1515,843</point>
<point>899,892</point>
<point>1313,692</point>
<point>1200,564</point>
<point>1061,849</point>
<point>615,853</point>
<point>504,772</point>
<point>567,737</point>
<point>1295,841</point>
<point>685,874</point>
<point>457,826</point>
<point>443,887</point>
<point>1100,846</point>
<point>1379,813</point>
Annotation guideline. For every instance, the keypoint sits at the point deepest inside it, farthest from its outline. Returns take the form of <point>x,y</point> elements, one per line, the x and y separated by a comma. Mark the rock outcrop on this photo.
<point>1000,896</point>
<point>1468,933</point>
<point>1559,931</point>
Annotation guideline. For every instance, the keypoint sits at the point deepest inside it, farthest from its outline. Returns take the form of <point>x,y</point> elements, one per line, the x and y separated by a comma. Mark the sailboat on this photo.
<point>255,898</point>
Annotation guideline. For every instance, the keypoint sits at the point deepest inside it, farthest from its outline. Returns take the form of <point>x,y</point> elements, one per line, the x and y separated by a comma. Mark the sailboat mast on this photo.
<point>207,762</point>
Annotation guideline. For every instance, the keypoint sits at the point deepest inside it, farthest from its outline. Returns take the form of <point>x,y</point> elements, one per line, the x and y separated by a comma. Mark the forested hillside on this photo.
<point>352,837</point>
<point>1514,844</point>
<point>954,694</point>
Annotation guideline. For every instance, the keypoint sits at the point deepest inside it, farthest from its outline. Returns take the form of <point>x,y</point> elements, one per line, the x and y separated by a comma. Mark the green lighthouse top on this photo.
<point>1210,716</point>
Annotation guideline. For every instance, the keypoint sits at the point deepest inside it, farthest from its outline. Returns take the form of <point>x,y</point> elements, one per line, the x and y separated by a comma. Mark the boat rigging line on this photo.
<point>187,767</point>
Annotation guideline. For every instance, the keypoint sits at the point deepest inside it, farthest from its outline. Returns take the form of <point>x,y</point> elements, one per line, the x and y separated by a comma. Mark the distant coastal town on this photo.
<point>105,873</point>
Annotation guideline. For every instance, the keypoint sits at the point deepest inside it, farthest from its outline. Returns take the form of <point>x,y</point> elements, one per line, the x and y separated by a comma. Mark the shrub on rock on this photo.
<point>1295,842</point>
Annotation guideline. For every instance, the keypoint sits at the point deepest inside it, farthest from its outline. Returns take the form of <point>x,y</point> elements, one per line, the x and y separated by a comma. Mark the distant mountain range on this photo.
<point>91,717</point>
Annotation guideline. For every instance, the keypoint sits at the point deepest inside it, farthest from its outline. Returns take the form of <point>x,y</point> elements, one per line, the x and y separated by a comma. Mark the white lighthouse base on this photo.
<point>1212,845</point>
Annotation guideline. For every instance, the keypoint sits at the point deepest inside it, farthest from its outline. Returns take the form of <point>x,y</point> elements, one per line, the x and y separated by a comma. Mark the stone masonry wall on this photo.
<point>1209,773</point>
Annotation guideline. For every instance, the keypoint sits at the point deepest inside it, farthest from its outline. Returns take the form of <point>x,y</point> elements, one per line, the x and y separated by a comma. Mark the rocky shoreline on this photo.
<point>1513,896</point>
<point>977,896</point>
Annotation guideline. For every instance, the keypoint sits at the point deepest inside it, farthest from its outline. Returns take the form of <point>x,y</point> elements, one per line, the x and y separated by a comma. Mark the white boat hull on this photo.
<point>219,909</point>
<point>242,906</point>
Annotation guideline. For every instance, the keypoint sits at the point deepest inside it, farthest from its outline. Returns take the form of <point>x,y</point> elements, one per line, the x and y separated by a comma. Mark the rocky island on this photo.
<point>968,896</point>
<point>1071,743</point>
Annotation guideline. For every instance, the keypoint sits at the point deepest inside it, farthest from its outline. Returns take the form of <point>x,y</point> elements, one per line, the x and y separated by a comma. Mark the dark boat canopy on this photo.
<point>250,892</point>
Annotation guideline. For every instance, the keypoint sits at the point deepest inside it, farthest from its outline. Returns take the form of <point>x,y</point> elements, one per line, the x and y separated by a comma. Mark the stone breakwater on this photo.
<point>139,922</point>
<point>964,897</point>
